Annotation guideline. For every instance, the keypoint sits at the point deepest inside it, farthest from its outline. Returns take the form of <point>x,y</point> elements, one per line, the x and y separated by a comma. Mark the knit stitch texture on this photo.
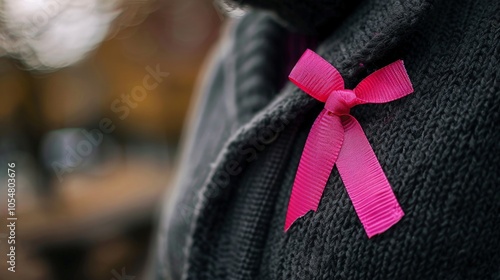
<point>439,148</point>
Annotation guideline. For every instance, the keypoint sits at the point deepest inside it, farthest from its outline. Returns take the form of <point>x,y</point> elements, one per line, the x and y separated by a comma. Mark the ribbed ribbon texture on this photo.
<point>336,138</point>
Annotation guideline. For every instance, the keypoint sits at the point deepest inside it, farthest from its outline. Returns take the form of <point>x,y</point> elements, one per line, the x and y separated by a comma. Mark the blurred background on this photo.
<point>93,96</point>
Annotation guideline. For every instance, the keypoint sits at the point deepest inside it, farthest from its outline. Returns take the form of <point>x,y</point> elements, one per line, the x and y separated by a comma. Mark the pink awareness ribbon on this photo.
<point>336,137</point>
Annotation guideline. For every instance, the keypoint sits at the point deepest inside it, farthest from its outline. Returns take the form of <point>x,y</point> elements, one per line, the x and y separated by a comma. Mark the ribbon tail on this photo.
<point>321,150</point>
<point>365,181</point>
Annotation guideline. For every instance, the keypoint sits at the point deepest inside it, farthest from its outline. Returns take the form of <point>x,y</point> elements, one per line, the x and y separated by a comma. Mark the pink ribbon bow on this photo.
<point>336,137</point>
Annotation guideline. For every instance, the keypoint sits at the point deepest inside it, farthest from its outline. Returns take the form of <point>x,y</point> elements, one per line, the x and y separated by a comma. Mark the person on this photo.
<point>437,146</point>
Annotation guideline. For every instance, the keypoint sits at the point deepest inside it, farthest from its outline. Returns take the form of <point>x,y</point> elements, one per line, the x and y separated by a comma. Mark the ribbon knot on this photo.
<point>336,138</point>
<point>340,102</point>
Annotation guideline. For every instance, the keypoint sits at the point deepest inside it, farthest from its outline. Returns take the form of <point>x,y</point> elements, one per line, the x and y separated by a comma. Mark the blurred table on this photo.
<point>86,211</point>
<point>86,208</point>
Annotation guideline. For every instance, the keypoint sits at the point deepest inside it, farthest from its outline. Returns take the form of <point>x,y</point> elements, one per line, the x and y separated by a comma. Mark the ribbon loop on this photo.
<point>341,141</point>
<point>316,76</point>
<point>385,85</point>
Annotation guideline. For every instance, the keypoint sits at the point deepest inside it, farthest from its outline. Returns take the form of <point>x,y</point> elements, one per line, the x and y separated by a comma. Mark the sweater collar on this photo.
<point>312,17</point>
<point>366,39</point>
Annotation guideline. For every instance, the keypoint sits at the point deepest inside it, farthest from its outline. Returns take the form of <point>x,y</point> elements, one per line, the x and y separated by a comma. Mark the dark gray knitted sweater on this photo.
<point>439,147</point>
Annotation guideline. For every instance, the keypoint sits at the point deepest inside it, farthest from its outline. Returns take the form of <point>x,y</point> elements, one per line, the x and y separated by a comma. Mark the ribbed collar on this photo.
<point>365,40</point>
